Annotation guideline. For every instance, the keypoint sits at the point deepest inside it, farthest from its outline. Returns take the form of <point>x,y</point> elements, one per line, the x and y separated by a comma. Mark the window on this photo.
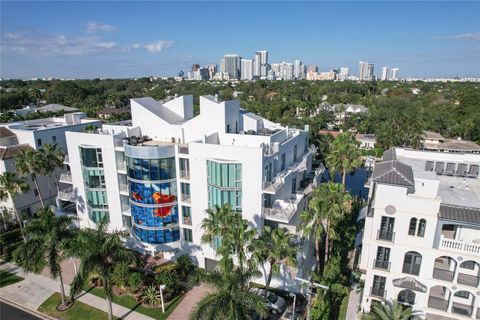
<point>294,185</point>
<point>185,189</point>
<point>94,178</point>
<point>98,215</point>
<point>184,168</point>
<point>187,215</point>
<point>386,228</point>
<point>39,142</point>
<point>282,163</point>
<point>127,221</point>
<point>407,297</point>
<point>97,199</point>
<point>268,172</point>
<point>26,212</point>
<point>91,157</point>
<point>151,169</point>
<point>228,127</point>
<point>412,227</point>
<point>187,235</point>
<point>412,263</point>
<point>378,287</point>
<point>54,139</point>
<point>383,255</point>
<point>470,265</point>
<point>421,228</point>
<point>295,153</point>
<point>462,294</point>
<point>224,184</point>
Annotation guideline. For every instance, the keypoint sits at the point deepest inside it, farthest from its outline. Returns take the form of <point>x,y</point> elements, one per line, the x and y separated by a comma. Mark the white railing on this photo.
<point>283,210</point>
<point>121,166</point>
<point>66,194</point>
<point>459,246</point>
<point>123,188</point>
<point>66,177</point>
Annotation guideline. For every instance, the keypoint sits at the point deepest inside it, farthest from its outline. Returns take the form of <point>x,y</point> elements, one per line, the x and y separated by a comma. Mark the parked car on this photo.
<point>275,304</point>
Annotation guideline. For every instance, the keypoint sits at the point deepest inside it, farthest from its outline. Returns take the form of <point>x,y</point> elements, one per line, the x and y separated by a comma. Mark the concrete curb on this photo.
<point>28,310</point>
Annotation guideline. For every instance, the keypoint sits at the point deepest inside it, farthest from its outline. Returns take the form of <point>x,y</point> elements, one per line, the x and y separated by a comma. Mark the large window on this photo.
<point>382,260</point>
<point>421,228</point>
<point>97,199</point>
<point>378,286</point>
<point>98,215</point>
<point>154,217</point>
<point>224,184</point>
<point>151,169</point>
<point>153,193</point>
<point>157,236</point>
<point>91,157</point>
<point>187,235</point>
<point>94,178</point>
<point>418,228</point>
<point>412,227</point>
<point>412,263</point>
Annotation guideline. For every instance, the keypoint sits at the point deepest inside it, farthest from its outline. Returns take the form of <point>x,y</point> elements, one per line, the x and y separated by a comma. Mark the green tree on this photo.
<point>391,310</point>
<point>167,278</point>
<point>10,186</point>
<point>53,158</point>
<point>273,246</point>
<point>47,239</point>
<point>231,299</point>
<point>99,251</point>
<point>185,266</point>
<point>151,296</point>
<point>330,203</point>
<point>344,155</point>
<point>30,162</point>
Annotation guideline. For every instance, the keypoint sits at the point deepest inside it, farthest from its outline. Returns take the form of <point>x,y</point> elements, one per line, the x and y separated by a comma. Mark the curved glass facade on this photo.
<point>153,199</point>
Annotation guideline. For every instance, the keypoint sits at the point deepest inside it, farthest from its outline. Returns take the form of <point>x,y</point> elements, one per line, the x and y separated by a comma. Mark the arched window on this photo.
<point>421,227</point>
<point>412,227</point>
<point>412,263</point>
<point>406,297</point>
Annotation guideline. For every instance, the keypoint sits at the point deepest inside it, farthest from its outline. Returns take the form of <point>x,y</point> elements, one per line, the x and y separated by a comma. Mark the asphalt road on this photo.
<point>8,312</point>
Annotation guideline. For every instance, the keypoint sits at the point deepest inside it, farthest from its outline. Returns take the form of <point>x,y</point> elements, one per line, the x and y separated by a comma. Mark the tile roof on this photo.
<point>393,172</point>
<point>53,107</point>
<point>8,152</point>
<point>459,213</point>
<point>410,283</point>
<point>389,155</point>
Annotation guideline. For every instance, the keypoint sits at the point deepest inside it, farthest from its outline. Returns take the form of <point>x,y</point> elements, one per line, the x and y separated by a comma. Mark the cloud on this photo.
<point>94,26</point>
<point>472,36</point>
<point>40,43</point>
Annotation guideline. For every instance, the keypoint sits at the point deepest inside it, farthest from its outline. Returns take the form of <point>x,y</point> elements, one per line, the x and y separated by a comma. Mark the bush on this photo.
<point>185,266</point>
<point>169,279</point>
<point>120,275</point>
<point>172,267</point>
<point>95,279</point>
<point>150,296</point>
<point>135,282</point>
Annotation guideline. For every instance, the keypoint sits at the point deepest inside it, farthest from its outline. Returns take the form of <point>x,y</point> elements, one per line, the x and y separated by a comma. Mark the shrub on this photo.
<point>120,275</point>
<point>135,281</point>
<point>171,267</point>
<point>150,296</point>
<point>185,266</point>
<point>95,279</point>
<point>169,279</point>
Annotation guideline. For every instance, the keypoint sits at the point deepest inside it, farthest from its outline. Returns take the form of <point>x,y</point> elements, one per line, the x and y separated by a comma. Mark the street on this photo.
<point>9,312</point>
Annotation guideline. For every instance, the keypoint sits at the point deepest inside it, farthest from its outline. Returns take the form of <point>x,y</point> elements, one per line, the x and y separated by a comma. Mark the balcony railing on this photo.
<point>187,220</point>
<point>463,309</point>
<point>186,198</point>
<point>185,174</point>
<point>468,279</point>
<point>385,235</point>
<point>459,246</point>
<point>443,274</point>
<point>283,211</point>
<point>66,195</point>
<point>66,160</point>
<point>66,177</point>
<point>437,303</point>
<point>378,292</point>
<point>121,167</point>
<point>123,188</point>
<point>183,149</point>
<point>380,264</point>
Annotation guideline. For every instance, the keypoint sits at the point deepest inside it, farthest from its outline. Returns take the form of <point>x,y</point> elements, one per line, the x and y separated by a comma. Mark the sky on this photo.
<point>126,39</point>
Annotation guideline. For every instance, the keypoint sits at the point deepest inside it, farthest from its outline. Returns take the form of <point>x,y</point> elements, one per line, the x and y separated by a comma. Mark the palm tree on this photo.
<point>10,186</point>
<point>47,237</point>
<point>391,310</point>
<point>53,158</point>
<point>99,251</point>
<point>344,156</point>
<point>30,162</point>
<point>329,204</point>
<point>230,300</point>
<point>273,246</point>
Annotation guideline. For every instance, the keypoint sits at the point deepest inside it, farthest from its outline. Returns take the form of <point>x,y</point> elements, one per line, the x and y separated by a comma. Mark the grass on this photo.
<point>8,278</point>
<point>78,311</point>
<point>343,308</point>
<point>129,302</point>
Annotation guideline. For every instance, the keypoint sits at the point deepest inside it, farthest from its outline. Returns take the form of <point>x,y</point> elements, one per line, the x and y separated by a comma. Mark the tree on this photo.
<point>343,156</point>
<point>99,251</point>
<point>47,238</point>
<point>184,266</point>
<point>231,299</point>
<point>391,310</point>
<point>30,162</point>
<point>329,204</point>
<point>273,246</point>
<point>53,158</point>
<point>11,186</point>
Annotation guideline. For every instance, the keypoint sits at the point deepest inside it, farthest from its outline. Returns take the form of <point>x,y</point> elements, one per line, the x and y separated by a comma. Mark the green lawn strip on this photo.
<point>129,302</point>
<point>79,310</point>
<point>8,278</point>
<point>343,308</point>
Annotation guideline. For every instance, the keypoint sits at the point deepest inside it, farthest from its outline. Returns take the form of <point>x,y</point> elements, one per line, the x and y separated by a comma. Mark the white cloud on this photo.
<point>473,36</point>
<point>158,46</point>
<point>94,26</point>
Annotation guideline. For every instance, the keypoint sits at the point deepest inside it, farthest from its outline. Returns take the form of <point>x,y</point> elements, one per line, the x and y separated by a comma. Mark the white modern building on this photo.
<point>157,174</point>
<point>232,65</point>
<point>385,74</point>
<point>33,134</point>
<point>344,73</point>
<point>247,69</point>
<point>421,238</point>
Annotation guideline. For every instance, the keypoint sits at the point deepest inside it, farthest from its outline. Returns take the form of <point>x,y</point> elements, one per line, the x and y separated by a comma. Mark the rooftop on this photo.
<point>53,107</point>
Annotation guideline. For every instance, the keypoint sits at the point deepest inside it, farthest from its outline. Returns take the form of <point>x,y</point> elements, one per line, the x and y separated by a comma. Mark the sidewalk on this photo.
<point>36,288</point>
<point>353,303</point>
<point>189,302</point>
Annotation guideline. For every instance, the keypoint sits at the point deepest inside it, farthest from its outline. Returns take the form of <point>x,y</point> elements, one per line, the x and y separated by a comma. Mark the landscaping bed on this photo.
<point>79,310</point>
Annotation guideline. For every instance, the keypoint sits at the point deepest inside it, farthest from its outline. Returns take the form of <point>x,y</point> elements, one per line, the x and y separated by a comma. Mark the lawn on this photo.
<point>129,302</point>
<point>8,278</point>
<point>79,310</point>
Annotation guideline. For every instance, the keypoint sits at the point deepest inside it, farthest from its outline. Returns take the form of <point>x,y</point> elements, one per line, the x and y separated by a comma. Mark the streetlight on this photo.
<point>162,286</point>
<point>310,293</point>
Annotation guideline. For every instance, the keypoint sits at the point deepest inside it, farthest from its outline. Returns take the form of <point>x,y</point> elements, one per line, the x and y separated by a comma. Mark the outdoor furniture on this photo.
<point>450,170</point>
<point>439,167</point>
<point>462,170</point>
<point>473,173</point>
<point>429,166</point>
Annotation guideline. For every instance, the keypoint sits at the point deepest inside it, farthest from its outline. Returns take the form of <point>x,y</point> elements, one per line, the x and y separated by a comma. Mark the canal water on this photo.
<point>355,181</point>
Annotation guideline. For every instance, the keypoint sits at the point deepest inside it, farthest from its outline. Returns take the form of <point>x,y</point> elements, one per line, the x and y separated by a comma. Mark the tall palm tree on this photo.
<point>329,204</point>
<point>30,162</point>
<point>99,251</point>
<point>344,155</point>
<point>391,310</point>
<point>273,246</point>
<point>230,300</point>
<point>53,158</point>
<point>47,237</point>
<point>10,186</point>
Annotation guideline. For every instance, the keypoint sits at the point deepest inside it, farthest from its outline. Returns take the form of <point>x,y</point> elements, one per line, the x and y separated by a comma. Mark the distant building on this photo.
<point>276,69</point>
<point>260,63</point>
<point>385,74</point>
<point>370,71</point>
<point>365,70</point>
<point>195,67</point>
<point>344,73</point>
<point>246,69</point>
<point>312,68</point>
<point>394,74</point>
<point>435,142</point>
<point>212,69</point>
<point>232,65</point>
<point>106,113</point>
<point>297,69</point>
<point>367,141</point>
<point>53,107</point>
<point>286,70</point>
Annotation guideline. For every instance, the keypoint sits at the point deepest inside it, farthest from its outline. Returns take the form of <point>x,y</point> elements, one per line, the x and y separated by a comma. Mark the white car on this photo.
<point>275,304</point>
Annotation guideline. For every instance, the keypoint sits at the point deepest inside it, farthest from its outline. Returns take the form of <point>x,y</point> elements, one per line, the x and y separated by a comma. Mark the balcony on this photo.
<point>467,279</point>
<point>121,168</point>
<point>284,210</point>
<point>118,144</point>
<point>185,174</point>
<point>126,210</point>
<point>378,292</point>
<point>380,264</point>
<point>183,148</point>
<point>66,177</point>
<point>66,195</point>
<point>463,309</point>
<point>437,303</point>
<point>123,189</point>
<point>187,220</point>
<point>459,246</point>
<point>66,160</point>
<point>186,198</point>
<point>385,235</point>
<point>443,274</point>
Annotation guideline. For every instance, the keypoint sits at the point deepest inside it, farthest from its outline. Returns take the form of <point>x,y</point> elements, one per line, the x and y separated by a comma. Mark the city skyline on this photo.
<point>88,40</point>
